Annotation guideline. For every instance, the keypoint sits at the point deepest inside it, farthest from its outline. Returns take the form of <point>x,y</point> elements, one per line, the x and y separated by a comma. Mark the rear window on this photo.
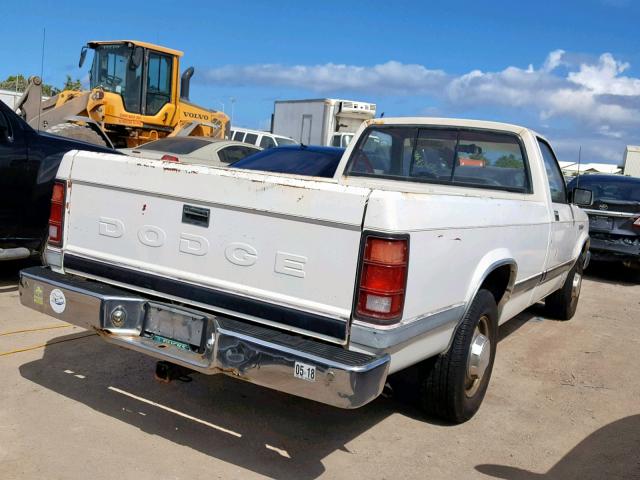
<point>175,145</point>
<point>300,161</point>
<point>475,158</point>
<point>235,152</point>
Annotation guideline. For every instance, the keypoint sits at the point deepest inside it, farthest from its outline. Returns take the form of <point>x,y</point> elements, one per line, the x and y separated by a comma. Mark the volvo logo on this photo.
<point>603,206</point>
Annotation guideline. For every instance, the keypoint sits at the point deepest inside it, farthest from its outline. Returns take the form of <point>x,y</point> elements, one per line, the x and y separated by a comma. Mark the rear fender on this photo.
<point>489,263</point>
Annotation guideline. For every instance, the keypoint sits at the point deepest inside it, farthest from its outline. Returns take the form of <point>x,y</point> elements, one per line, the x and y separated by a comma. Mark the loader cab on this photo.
<point>143,75</point>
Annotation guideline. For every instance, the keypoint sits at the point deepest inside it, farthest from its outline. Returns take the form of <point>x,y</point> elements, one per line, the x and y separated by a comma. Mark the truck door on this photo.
<point>561,215</point>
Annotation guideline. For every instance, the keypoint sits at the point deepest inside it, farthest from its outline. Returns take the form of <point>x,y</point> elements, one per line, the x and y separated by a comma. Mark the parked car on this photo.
<point>28,164</point>
<point>430,234</point>
<point>296,159</point>
<point>195,150</point>
<point>614,216</point>
<point>258,137</point>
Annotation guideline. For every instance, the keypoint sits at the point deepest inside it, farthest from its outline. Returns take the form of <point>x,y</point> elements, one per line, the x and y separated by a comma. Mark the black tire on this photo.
<point>444,384</point>
<point>77,132</point>
<point>562,304</point>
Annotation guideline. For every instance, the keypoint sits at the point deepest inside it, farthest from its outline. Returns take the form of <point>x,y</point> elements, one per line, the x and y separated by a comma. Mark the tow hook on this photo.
<point>166,372</point>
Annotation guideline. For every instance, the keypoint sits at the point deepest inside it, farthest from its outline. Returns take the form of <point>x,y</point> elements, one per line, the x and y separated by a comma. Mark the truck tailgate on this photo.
<point>274,249</point>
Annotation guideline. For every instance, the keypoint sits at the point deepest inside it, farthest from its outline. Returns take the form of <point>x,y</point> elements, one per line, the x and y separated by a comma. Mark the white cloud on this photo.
<point>593,94</point>
<point>604,77</point>
<point>392,77</point>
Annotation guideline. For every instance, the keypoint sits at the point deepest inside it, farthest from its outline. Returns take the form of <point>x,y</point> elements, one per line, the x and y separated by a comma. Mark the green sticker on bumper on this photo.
<point>170,341</point>
<point>38,295</point>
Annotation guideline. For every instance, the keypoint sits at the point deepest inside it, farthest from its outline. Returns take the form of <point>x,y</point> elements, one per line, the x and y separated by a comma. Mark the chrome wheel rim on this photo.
<point>576,285</point>
<point>479,357</point>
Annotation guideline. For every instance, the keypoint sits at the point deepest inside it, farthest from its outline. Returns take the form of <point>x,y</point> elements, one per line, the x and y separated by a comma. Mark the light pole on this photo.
<point>232,100</point>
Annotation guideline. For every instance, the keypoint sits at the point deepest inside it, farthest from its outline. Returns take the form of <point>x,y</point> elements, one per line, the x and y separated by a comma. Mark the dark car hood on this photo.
<point>72,144</point>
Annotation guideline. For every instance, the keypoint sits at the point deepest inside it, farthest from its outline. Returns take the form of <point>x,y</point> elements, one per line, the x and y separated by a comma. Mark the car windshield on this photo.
<point>615,188</point>
<point>175,145</point>
<point>296,160</point>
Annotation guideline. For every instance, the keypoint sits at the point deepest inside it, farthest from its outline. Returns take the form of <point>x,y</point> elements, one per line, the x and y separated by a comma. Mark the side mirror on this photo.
<point>136,58</point>
<point>582,197</point>
<point>83,56</point>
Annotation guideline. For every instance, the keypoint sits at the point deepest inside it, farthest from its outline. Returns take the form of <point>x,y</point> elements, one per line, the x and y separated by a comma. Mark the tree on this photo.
<point>18,83</point>
<point>70,84</point>
<point>509,161</point>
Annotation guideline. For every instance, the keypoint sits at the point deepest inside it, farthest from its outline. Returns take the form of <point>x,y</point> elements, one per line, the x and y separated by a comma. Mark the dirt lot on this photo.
<point>564,402</point>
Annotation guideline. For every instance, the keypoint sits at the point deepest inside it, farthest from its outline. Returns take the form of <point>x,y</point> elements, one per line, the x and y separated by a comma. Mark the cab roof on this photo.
<point>448,122</point>
<point>150,46</point>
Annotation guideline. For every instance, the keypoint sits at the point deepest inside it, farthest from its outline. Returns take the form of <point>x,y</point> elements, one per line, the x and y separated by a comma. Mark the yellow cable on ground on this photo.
<point>35,347</point>
<point>36,329</point>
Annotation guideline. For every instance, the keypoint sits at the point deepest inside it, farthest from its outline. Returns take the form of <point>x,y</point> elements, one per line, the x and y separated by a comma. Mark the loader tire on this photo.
<point>452,386</point>
<point>77,132</point>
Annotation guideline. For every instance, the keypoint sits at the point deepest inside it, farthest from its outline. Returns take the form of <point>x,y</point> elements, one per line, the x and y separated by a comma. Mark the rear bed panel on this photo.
<point>282,241</point>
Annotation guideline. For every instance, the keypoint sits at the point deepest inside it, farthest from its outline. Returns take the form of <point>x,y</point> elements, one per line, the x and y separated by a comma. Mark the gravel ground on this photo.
<point>564,402</point>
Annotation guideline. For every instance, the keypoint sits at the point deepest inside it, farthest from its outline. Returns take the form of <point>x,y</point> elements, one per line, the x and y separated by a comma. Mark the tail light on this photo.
<point>383,279</point>
<point>56,214</point>
<point>170,158</point>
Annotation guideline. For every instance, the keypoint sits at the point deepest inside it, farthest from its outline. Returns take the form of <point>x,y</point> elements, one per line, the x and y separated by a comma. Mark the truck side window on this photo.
<point>251,138</point>
<point>554,174</point>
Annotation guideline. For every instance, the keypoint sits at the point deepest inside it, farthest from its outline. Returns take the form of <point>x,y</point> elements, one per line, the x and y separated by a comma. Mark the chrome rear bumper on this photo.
<point>260,355</point>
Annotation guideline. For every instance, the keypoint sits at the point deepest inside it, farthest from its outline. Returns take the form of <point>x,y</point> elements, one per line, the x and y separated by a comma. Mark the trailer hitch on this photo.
<point>166,372</point>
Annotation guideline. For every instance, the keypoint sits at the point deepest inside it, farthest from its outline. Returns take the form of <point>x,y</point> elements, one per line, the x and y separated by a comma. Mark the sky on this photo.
<point>568,69</point>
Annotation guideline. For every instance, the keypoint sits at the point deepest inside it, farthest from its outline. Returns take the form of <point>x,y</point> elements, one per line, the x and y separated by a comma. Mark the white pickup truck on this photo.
<point>431,233</point>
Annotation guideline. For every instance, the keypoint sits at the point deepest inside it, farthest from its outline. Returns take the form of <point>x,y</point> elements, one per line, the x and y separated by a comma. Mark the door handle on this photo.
<point>195,215</point>
<point>556,215</point>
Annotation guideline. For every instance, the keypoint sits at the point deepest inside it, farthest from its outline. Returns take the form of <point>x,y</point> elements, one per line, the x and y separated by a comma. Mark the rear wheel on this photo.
<point>562,303</point>
<point>452,386</point>
<point>83,133</point>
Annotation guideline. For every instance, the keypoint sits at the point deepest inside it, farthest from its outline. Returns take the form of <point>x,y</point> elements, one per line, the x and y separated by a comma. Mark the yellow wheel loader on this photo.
<point>136,95</point>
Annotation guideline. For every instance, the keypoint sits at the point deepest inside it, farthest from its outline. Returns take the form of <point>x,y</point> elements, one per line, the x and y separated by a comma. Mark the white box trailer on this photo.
<point>632,161</point>
<point>322,121</point>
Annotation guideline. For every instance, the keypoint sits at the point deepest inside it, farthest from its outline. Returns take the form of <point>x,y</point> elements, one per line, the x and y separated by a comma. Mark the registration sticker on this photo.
<point>38,296</point>
<point>57,300</point>
<point>305,372</point>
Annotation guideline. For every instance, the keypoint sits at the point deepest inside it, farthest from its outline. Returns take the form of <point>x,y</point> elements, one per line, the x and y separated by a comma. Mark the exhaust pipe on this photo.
<point>185,82</point>
<point>14,253</point>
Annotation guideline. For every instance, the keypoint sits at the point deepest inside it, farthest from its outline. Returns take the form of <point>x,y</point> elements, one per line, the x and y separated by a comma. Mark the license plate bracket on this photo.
<point>600,222</point>
<point>164,324</point>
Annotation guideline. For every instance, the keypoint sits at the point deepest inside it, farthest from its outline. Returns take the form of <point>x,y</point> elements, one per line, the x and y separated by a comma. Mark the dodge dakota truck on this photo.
<point>431,233</point>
